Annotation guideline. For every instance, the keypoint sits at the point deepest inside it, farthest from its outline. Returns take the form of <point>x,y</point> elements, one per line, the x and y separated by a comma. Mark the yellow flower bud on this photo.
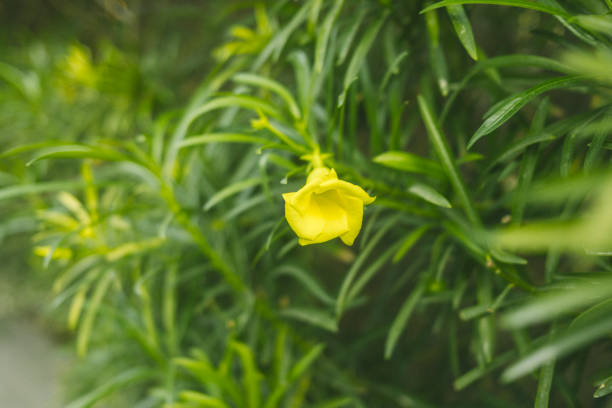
<point>326,208</point>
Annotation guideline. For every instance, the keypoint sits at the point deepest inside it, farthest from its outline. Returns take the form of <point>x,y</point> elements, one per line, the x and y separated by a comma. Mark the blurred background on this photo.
<point>76,71</point>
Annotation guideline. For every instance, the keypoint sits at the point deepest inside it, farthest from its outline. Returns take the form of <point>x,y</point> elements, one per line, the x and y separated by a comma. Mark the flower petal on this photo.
<point>348,189</point>
<point>331,208</point>
<point>354,214</point>
<point>321,174</point>
<point>307,224</point>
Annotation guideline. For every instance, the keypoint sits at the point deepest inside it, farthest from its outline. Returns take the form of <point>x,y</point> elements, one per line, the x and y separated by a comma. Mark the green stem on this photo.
<point>217,262</point>
<point>446,159</point>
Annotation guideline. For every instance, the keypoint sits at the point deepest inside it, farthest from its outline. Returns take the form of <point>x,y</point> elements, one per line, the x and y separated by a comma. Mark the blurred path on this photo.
<point>30,366</point>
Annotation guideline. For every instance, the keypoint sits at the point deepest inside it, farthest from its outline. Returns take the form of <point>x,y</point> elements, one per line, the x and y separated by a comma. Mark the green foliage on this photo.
<point>142,167</point>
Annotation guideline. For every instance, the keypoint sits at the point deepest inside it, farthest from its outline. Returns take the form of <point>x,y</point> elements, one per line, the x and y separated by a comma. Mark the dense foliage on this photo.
<point>146,147</point>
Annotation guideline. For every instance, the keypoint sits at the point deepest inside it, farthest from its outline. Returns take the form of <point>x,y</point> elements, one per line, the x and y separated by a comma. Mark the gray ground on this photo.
<point>31,366</point>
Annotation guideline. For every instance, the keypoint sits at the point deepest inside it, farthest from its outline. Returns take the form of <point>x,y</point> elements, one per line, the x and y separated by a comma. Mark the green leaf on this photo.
<point>222,138</point>
<point>505,109</point>
<point>306,361</point>
<point>463,28</point>
<point>202,400</point>
<point>518,60</point>
<point>208,376</point>
<point>566,299</point>
<point>401,319</point>
<point>562,344</point>
<point>323,36</point>
<point>312,316</point>
<point>358,57</point>
<point>296,372</point>
<point>370,271</point>
<point>507,257</point>
<point>307,281</point>
<point>36,188</point>
<point>277,43</point>
<point>335,403</point>
<point>130,248</point>
<point>528,4</point>
<point>479,372</point>
<point>392,70</point>
<point>544,385</point>
<point>342,298</point>
<point>429,194</point>
<point>230,190</point>
<point>250,376</point>
<point>116,383</point>
<point>351,32</point>
<point>220,102</point>
<point>593,22</point>
<point>86,326</point>
<point>518,146</point>
<point>436,54</point>
<point>408,162</point>
<point>604,388</point>
<point>78,151</point>
<point>276,87</point>
<point>440,145</point>
<point>409,242</point>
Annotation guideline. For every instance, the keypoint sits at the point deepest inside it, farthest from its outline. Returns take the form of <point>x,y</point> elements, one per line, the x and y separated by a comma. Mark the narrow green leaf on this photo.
<point>528,4</point>
<point>369,272</point>
<point>221,102</point>
<point>92,310</point>
<point>296,372</point>
<point>335,403</point>
<point>277,43</point>
<point>594,22</point>
<point>429,194</point>
<point>604,388</point>
<point>562,344</point>
<point>557,303</point>
<point>408,162</point>
<point>315,317</point>
<point>116,383</point>
<point>392,70</point>
<point>463,28</point>
<point>507,257</point>
<point>347,41</point>
<point>506,108</point>
<point>74,271</point>
<point>130,248</point>
<point>203,370</point>
<point>544,385</point>
<point>307,281</point>
<point>409,242</point>
<point>323,36</point>
<point>479,372</point>
<point>202,400</point>
<point>341,300</point>
<point>401,319</point>
<point>274,86</point>
<point>230,190</point>
<point>361,51</point>
<point>306,361</point>
<point>436,54</point>
<point>250,374</point>
<point>514,60</point>
<point>518,146</point>
<point>440,145</point>
<point>303,78</point>
<point>222,138</point>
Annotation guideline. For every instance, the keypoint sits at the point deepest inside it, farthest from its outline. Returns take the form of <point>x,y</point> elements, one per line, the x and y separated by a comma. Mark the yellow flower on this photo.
<point>326,208</point>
